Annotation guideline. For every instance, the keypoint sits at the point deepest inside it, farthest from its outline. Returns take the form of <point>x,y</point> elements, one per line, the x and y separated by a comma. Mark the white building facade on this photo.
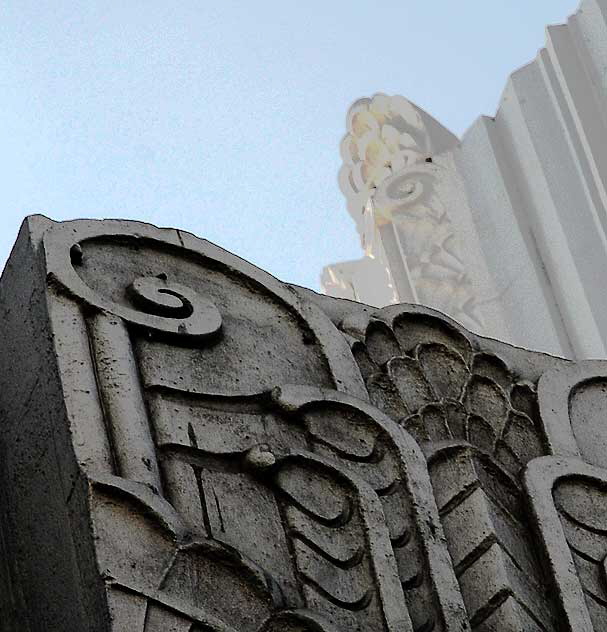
<point>505,230</point>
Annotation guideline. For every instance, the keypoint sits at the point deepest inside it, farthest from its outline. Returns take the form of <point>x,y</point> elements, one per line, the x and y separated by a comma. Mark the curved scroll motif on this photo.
<point>197,297</point>
<point>389,181</point>
<point>158,575</point>
<point>371,446</point>
<point>298,508</point>
<point>569,500</point>
<point>385,134</point>
<point>156,303</point>
<point>138,292</point>
<point>573,401</point>
<point>196,316</point>
<point>297,621</point>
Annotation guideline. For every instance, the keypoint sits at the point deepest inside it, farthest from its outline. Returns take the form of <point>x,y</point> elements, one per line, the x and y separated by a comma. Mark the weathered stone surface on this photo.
<point>189,444</point>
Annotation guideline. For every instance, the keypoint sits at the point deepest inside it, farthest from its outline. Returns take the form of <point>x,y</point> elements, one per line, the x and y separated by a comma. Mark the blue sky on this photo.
<point>224,118</point>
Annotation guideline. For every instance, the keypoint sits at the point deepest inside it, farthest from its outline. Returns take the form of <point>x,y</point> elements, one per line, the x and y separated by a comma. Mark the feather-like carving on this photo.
<point>483,513</point>
<point>425,373</point>
<point>341,545</point>
<point>569,500</point>
<point>388,178</point>
<point>371,446</point>
<point>478,425</point>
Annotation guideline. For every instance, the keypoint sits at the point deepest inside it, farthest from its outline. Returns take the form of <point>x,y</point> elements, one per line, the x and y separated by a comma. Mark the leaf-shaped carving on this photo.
<point>438,367</point>
<point>484,398</point>
<point>355,591</point>
<point>481,433</point>
<point>494,368</point>
<point>523,399</point>
<point>569,501</point>
<point>384,395</point>
<point>411,383</point>
<point>522,441</point>
<point>414,329</point>
<point>343,429</point>
<point>381,343</point>
<point>445,369</point>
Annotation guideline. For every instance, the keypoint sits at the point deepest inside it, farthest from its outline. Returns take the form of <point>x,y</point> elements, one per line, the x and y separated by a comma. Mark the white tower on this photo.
<point>505,230</point>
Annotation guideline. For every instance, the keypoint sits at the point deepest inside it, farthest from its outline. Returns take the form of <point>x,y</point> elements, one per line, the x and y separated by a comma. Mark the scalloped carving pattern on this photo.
<point>479,425</point>
<point>429,378</point>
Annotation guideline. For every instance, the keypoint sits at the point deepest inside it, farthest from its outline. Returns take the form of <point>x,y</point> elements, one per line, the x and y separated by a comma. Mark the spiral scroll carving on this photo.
<point>388,177</point>
<point>153,302</point>
<point>177,304</point>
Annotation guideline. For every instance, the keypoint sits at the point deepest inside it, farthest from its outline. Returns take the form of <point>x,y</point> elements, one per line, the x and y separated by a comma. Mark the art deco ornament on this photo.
<point>189,444</point>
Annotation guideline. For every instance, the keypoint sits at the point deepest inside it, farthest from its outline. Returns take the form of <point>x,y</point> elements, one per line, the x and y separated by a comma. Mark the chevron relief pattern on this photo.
<point>582,509</point>
<point>341,546</point>
<point>478,424</point>
<point>373,448</point>
<point>483,514</point>
<point>254,469</point>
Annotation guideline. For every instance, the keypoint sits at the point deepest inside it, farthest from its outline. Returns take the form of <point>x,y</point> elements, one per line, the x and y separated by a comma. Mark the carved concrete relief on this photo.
<point>385,134</point>
<point>478,422</point>
<point>572,401</point>
<point>228,404</point>
<point>429,374</point>
<point>220,451</point>
<point>524,192</point>
<point>389,181</point>
<point>371,446</point>
<point>569,500</point>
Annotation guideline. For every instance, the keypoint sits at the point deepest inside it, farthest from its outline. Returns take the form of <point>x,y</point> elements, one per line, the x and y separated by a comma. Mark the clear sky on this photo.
<point>224,118</point>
